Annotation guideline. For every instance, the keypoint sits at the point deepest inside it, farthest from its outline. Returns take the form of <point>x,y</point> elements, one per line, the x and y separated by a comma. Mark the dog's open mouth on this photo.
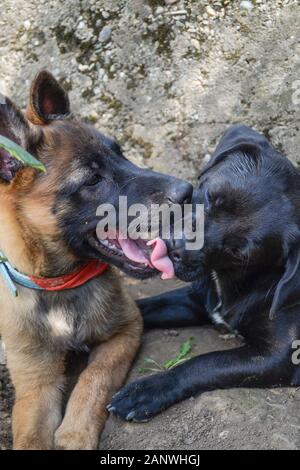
<point>139,255</point>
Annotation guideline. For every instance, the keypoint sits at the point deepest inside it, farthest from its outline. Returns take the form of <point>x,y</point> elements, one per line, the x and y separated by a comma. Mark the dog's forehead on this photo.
<point>240,171</point>
<point>77,144</point>
<point>225,180</point>
<point>80,133</point>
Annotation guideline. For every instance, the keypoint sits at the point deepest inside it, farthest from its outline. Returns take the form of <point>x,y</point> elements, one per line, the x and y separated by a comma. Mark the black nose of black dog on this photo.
<point>178,253</point>
<point>181,193</point>
<point>176,249</point>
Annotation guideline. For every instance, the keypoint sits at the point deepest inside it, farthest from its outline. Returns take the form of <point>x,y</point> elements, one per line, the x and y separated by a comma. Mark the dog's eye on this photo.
<point>219,201</point>
<point>93,180</point>
<point>216,201</point>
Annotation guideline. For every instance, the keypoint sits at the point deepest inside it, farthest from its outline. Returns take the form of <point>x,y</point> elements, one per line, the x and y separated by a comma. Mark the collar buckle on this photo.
<point>5,273</point>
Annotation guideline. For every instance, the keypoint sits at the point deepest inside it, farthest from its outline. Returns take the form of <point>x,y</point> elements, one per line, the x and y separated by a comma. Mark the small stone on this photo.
<point>210,11</point>
<point>94,116</point>
<point>159,10</point>
<point>195,43</point>
<point>171,333</point>
<point>170,2</point>
<point>24,38</point>
<point>27,24</point>
<point>246,5</point>
<point>81,25</point>
<point>83,68</point>
<point>223,435</point>
<point>189,440</point>
<point>105,14</point>
<point>105,34</point>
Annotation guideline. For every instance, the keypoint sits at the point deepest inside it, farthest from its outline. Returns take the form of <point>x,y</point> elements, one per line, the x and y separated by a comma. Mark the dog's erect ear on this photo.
<point>288,289</point>
<point>13,126</point>
<point>239,138</point>
<point>48,100</point>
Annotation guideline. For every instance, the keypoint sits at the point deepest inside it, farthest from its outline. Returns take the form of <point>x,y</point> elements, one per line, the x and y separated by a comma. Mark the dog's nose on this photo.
<point>178,253</point>
<point>181,193</point>
<point>176,249</point>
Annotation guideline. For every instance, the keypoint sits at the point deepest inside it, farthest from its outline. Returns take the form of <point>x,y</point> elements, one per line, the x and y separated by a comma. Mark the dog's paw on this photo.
<point>141,400</point>
<point>73,440</point>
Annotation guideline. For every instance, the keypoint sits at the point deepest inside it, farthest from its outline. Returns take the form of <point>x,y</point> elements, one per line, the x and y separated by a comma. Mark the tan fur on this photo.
<point>87,413</point>
<point>37,342</point>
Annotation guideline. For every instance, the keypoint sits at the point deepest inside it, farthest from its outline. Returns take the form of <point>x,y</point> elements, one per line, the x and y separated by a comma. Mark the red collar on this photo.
<point>70,281</point>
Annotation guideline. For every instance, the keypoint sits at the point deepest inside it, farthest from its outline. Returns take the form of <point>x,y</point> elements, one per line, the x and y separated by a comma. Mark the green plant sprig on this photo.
<point>21,154</point>
<point>182,356</point>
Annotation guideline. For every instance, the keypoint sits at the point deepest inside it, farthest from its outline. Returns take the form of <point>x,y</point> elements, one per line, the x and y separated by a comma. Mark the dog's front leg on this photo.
<point>241,367</point>
<point>177,308</point>
<point>107,369</point>
<point>38,381</point>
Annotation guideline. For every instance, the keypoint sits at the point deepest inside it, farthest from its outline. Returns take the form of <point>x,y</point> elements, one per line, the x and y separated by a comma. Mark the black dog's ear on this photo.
<point>48,100</point>
<point>239,138</point>
<point>13,126</point>
<point>288,289</point>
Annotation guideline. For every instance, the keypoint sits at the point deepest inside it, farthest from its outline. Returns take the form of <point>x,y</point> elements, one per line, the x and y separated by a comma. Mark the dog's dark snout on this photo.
<point>176,249</point>
<point>179,253</point>
<point>181,193</point>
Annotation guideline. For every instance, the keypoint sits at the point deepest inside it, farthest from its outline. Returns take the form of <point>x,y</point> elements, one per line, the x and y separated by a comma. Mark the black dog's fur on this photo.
<point>247,276</point>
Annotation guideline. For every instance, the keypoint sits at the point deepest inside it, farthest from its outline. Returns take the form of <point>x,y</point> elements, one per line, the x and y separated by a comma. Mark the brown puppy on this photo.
<point>47,229</point>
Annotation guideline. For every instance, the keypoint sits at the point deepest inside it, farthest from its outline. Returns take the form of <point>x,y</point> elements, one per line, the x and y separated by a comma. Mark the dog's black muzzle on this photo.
<point>188,264</point>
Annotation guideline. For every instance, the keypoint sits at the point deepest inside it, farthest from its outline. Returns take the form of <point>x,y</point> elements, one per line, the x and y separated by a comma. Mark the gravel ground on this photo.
<point>167,80</point>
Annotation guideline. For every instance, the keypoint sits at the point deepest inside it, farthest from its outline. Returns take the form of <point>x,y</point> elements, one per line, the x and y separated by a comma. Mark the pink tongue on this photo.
<point>132,251</point>
<point>159,256</point>
<point>160,259</point>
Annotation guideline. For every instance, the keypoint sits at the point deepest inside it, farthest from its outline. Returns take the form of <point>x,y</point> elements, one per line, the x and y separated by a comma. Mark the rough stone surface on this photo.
<point>167,80</point>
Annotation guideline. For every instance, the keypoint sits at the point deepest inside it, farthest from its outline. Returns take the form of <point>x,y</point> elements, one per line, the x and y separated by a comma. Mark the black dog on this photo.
<point>247,277</point>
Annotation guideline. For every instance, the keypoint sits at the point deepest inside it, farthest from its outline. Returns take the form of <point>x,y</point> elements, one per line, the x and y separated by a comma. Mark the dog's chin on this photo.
<point>187,274</point>
<point>136,271</point>
<point>112,253</point>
